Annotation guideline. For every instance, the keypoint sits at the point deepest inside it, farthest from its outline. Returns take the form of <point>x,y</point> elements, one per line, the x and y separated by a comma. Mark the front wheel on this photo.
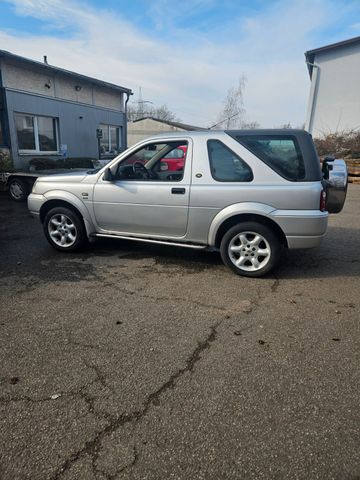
<point>250,249</point>
<point>64,229</point>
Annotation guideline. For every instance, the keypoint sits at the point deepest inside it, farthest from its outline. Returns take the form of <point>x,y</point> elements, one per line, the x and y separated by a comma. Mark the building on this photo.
<point>334,102</point>
<point>147,126</point>
<point>46,111</point>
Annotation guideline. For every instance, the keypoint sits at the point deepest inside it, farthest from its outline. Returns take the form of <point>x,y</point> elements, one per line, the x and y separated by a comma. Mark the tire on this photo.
<point>18,189</point>
<point>241,248</point>
<point>64,229</point>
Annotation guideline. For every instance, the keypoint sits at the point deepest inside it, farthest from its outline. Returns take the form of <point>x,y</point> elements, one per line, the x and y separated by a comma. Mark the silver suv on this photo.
<point>248,193</point>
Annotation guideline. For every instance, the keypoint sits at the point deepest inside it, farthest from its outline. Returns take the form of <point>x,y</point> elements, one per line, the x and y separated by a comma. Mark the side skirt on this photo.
<point>150,240</point>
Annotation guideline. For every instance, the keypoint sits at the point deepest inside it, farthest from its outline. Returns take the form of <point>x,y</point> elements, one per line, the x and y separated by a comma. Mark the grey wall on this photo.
<point>78,134</point>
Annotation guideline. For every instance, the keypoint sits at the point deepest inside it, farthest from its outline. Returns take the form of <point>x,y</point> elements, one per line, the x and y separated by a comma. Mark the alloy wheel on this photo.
<point>62,230</point>
<point>249,251</point>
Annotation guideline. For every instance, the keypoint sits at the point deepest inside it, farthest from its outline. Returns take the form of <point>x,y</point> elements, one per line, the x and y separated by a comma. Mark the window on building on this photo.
<point>226,165</point>
<point>110,142</point>
<point>36,134</point>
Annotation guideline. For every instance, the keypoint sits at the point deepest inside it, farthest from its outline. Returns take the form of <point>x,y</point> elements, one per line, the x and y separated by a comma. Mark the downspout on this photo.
<point>128,94</point>
<point>309,124</point>
<point>4,117</point>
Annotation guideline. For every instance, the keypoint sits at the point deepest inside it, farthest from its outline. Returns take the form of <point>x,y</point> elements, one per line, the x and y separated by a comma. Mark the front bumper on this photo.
<point>35,202</point>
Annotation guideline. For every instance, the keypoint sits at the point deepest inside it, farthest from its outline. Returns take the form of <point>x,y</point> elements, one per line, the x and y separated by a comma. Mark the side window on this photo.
<point>226,165</point>
<point>155,161</point>
<point>279,152</point>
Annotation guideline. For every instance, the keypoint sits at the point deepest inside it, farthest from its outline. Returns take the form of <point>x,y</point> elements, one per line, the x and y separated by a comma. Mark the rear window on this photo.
<point>281,153</point>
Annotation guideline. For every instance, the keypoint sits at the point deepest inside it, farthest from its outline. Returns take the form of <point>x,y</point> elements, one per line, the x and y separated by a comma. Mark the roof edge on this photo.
<point>185,126</point>
<point>310,54</point>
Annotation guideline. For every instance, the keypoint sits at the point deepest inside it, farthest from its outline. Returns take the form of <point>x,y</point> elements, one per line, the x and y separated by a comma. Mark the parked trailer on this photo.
<point>19,184</point>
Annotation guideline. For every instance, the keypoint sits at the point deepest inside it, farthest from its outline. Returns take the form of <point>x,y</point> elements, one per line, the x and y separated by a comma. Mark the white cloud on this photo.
<point>189,73</point>
<point>167,14</point>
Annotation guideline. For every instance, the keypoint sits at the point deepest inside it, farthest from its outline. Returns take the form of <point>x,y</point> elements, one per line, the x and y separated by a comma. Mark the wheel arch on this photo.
<point>80,210</point>
<point>248,217</point>
<point>47,206</point>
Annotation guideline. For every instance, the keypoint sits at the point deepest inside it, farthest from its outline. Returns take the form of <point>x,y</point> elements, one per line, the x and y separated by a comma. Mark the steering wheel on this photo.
<point>140,169</point>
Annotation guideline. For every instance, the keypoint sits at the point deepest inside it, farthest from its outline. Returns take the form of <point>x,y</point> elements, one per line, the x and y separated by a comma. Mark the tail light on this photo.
<point>323,201</point>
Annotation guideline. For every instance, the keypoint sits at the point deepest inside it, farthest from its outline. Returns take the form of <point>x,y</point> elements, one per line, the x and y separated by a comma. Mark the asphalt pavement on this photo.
<point>132,361</point>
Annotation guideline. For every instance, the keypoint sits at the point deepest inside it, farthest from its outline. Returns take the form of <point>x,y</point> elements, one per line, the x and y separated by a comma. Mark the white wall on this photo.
<point>334,103</point>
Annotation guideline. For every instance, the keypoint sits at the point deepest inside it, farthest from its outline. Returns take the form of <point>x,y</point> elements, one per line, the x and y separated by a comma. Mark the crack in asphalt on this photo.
<point>244,309</point>
<point>99,375</point>
<point>26,398</point>
<point>88,399</point>
<point>164,298</point>
<point>131,464</point>
<point>92,447</point>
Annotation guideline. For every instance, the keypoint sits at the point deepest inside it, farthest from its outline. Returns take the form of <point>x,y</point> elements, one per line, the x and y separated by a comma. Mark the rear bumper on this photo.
<point>304,242</point>
<point>302,228</point>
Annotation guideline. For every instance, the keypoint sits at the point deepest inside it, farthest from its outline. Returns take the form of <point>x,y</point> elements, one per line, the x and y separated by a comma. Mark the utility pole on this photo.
<point>141,102</point>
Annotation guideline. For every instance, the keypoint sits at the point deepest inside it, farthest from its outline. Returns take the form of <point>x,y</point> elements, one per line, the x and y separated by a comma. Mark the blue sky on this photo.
<point>186,54</point>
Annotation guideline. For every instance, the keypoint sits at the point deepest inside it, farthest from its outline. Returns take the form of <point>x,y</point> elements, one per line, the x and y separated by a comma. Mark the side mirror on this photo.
<point>108,176</point>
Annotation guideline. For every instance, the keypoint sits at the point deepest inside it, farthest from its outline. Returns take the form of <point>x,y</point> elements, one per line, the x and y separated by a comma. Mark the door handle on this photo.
<point>178,191</point>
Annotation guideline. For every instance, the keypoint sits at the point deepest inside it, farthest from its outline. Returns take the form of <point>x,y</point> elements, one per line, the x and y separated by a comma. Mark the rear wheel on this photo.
<point>18,189</point>
<point>64,229</point>
<point>250,249</point>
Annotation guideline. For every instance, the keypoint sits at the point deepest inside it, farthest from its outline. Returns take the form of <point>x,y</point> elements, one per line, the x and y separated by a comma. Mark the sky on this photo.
<point>186,54</point>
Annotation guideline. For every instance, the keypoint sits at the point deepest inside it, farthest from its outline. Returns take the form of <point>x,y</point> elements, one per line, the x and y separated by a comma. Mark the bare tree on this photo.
<point>138,110</point>
<point>163,113</point>
<point>134,111</point>
<point>233,111</point>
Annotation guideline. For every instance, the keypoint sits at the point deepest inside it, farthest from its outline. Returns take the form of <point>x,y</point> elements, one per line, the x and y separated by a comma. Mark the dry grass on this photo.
<point>340,144</point>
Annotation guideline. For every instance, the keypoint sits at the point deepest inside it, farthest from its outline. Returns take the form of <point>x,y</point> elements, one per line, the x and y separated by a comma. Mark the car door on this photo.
<point>155,206</point>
